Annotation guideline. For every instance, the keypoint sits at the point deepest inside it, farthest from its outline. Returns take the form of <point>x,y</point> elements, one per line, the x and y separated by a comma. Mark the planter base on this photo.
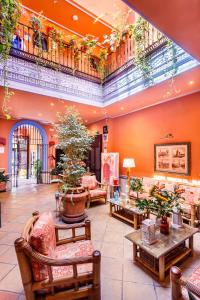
<point>74,219</point>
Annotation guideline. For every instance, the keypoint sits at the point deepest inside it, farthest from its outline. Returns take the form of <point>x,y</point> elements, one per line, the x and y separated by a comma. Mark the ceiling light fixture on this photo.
<point>191,82</point>
<point>122,108</point>
<point>75,18</point>
<point>52,104</point>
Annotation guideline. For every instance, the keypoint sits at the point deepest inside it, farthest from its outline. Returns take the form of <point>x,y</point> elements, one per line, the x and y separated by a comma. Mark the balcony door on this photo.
<point>94,157</point>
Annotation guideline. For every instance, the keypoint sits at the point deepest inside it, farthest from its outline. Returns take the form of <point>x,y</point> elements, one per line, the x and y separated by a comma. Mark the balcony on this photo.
<point>80,79</point>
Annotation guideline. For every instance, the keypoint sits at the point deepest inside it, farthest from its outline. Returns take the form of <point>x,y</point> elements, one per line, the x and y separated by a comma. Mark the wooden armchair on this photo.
<point>70,269</point>
<point>96,190</point>
<point>181,287</point>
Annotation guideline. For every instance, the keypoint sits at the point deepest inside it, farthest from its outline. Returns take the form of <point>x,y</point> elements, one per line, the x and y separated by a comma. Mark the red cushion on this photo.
<point>43,240</point>
<point>97,192</point>
<point>193,282</point>
<point>89,181</point>
<point>78,249</point>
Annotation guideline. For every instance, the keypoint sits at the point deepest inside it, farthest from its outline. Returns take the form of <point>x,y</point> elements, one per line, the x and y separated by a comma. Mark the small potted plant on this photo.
<point>3,181</point>
<point>162,203</point>
<point>136,185</point>
<point>75,141</point>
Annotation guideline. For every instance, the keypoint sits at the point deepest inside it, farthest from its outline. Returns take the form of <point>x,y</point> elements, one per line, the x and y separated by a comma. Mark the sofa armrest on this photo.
<point>102,184</point>
<point>74,237</point>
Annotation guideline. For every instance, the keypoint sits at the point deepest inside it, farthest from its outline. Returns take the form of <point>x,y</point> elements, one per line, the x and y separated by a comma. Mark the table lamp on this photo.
<point>128,163</point>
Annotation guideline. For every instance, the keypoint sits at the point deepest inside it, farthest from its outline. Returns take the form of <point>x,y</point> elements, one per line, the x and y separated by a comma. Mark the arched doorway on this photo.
<point>28,153</point>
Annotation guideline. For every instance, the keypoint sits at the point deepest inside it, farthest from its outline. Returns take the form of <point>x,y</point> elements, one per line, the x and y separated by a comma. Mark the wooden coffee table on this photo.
<point>127,211</point>
<point>167,251</point>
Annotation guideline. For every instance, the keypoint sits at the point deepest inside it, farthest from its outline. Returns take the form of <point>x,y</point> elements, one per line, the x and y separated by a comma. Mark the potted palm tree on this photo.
<point>75,141</point>
<point>3,181</point>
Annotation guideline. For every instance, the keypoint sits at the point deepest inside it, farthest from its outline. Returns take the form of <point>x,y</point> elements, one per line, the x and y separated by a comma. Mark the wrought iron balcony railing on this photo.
<point>42,50</point>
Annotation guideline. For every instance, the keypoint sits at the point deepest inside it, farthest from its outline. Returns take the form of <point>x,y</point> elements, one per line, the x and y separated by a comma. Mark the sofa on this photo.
<point>52,267</point>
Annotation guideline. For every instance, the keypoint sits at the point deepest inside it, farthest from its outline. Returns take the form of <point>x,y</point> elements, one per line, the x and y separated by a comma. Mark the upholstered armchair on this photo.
<point>96,190</point>
<point>57,268</point>
<point>181,287</point>
<point>190,206</point>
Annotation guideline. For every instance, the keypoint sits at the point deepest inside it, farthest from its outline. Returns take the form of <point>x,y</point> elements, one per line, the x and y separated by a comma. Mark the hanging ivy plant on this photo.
<point>10,11</point>
<point>139,32</point>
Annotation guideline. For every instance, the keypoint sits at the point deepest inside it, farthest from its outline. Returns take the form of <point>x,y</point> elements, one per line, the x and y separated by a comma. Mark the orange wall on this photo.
<point>134,135</point>
<point>5,127</point>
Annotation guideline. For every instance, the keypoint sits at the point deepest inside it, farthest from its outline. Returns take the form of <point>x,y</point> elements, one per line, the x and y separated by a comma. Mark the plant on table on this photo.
<point>162,201</point>
<point>136,185</point>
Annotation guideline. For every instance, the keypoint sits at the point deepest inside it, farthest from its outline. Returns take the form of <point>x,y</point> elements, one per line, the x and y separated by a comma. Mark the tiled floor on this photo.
<point>121,279</point>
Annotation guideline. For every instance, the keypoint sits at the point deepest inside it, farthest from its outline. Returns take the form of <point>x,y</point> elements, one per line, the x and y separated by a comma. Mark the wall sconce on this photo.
<point>167,136</point>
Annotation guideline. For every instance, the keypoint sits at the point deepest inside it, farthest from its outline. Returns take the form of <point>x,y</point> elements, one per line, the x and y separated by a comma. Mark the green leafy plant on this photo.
<point>139,32</point>
<point>9,16</point>
<point>37,170</point>
<point>3,177</point>
<point>136,185</point>
<point>102,62</point>
<point>162,201</point>
<point>75,141</point>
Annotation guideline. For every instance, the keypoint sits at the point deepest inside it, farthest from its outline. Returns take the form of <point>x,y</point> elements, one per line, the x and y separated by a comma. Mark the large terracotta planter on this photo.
<point>74,210</point>
<point>2,186</point>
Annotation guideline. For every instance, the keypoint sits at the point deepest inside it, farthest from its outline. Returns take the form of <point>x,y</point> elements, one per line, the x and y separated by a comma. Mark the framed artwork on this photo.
<point>172,158</point>
<point>109,167</point>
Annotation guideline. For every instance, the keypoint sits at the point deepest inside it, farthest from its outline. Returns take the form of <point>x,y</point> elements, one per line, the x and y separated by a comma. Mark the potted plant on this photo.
<point>162,203</point>
<point>75,141</point>
<point>3,181</point>
<point>136,185</point>
<point>38,170</point>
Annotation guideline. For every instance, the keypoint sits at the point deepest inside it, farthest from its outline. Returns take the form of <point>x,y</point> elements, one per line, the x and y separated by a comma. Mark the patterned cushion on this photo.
<point>186,208</point>
<point>97,192</point>
<point>193,282</point>
<point>78,249</point>
<point>43,240</point>
<point>89,181</point>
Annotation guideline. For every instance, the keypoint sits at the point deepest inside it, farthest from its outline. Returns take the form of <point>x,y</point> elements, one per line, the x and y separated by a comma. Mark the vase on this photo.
<point>164,225</point>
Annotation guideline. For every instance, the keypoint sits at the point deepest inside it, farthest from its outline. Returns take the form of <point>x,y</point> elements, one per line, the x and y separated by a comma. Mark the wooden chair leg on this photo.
<point>193,215</point>
<point>175,275</point>
<point>24,269</point>
<point>96,295</point>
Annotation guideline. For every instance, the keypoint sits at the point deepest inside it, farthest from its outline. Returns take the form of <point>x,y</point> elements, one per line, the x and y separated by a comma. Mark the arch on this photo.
<point>44,141</point>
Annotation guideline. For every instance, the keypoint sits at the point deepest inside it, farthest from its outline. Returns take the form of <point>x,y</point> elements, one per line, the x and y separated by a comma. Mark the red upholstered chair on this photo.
<point>96,190</point>
<point>57,268</point>
<point>182,286</point>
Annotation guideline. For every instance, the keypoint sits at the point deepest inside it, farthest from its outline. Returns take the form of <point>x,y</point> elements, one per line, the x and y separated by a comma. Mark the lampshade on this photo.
<point>129,163</point>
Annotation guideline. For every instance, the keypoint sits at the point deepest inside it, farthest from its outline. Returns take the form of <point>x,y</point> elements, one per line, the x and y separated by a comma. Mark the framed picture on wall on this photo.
<point>173,158</point>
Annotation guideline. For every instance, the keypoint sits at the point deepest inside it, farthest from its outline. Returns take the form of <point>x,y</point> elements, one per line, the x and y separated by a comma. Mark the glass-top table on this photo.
<point>125,209</point>
<point>166,251</point>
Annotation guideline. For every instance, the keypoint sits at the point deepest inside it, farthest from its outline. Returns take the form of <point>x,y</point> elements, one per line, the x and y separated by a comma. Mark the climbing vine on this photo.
<point>139,32</point>
<point>10,11</point>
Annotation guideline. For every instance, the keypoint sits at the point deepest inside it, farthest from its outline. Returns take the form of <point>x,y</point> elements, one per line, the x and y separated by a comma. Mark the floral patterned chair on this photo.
<point>96,190</point>
<point>191,205</point>
<point>185,288</point>
<point>54,268</point>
